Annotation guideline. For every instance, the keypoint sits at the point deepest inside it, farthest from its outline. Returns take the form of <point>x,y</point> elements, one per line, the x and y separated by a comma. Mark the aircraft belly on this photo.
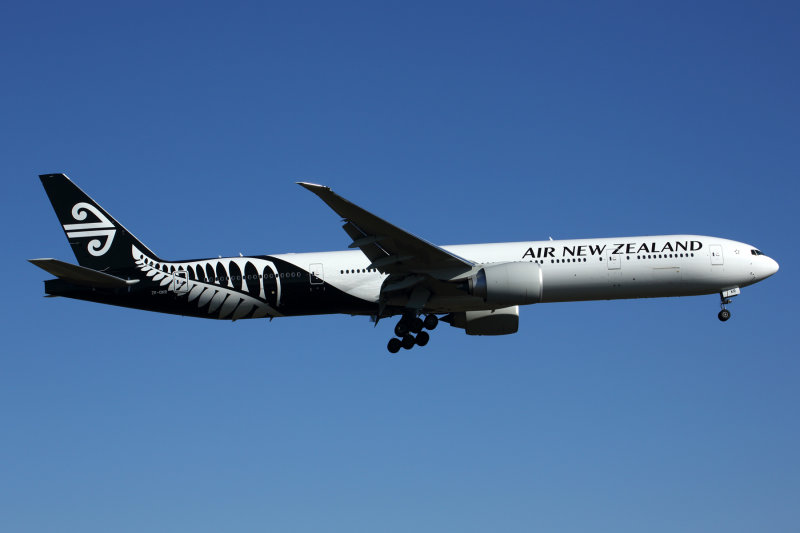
<point>704,279</point>
<point>369,291</point>
<point>243,311</point>
<point>629,281</point>
<point>216,301</point>
<point>577,283</point>
<point>205,296</point>
<point>229,305</point>
<point>299,298</point>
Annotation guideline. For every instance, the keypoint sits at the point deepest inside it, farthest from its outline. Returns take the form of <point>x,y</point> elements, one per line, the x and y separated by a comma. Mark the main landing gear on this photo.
<point>409,332</point>
<point>725,299</point>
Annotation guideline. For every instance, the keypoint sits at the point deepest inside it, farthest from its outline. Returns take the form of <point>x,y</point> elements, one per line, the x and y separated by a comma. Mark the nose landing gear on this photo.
<point>725,299</point>
<point>412,324</point>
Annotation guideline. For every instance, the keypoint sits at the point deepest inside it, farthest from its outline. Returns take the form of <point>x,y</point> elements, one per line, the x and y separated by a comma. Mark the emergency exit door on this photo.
<point>315,274</point>
<point>180,282</point>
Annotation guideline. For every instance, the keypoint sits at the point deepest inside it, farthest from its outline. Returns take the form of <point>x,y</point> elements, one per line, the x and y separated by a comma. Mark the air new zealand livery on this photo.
<point>389,272</point>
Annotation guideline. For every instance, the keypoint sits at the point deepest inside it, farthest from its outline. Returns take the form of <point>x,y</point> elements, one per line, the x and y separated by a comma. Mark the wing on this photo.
<point>389,248</point>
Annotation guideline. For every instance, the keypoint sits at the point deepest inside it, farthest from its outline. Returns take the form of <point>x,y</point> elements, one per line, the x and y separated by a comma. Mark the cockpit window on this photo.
<point>756,252</point>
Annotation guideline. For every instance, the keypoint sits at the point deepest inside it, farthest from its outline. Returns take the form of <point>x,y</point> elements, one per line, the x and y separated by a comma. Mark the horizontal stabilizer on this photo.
<point>81,275</point>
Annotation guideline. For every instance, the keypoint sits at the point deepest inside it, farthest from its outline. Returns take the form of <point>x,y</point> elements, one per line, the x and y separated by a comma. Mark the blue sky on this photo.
<point>461,122</point>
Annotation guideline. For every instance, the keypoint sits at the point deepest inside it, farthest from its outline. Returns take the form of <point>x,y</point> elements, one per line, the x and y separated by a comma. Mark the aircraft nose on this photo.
<point>772,267</point>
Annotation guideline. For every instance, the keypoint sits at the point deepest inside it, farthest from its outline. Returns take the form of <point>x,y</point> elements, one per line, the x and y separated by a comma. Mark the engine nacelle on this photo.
<point>503,321</point>
<point>517,283</point>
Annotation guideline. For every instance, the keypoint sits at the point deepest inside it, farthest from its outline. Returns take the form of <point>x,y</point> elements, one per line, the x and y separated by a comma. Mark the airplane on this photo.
<point>388,272</point>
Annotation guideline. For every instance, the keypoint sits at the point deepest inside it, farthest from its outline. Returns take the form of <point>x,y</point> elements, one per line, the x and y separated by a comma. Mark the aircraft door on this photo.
<point>180,282</point>
<point>716,254</point>
<point>614,264</point>
<point>316,275</point>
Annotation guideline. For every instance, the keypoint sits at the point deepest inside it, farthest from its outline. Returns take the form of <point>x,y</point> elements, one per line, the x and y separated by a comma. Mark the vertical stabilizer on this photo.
<point>98,241</point>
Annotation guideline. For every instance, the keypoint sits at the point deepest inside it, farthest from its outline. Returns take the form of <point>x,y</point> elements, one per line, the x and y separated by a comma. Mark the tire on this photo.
<point>408,342</point>
<point>415,325</point>
<point>422,338</point>
<point>431,321</point>
<point>401,329</point>
<point>394,345</point>
<point>724,315</point>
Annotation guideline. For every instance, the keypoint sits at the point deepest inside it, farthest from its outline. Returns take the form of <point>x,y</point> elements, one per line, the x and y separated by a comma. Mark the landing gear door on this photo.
<point>716,254</point>
<point>180,282</point>
<point>315,274</point>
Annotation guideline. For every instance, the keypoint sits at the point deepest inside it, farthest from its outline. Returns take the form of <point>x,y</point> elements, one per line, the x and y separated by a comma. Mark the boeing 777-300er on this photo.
<point>389,272</point>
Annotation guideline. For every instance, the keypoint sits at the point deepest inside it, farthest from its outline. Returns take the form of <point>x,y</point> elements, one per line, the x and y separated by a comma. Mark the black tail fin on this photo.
<point>98,241</point>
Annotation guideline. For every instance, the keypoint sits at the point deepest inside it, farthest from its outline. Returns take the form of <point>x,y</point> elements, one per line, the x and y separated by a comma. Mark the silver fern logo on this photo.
<point>102,228</point>
<point>227,288</point>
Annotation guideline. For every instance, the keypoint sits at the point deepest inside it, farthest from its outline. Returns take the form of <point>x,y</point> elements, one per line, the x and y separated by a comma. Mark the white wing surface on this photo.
<point>390,249</point>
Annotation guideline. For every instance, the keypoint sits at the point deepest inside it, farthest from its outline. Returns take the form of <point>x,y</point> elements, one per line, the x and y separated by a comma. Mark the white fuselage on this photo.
<point>579,269</point>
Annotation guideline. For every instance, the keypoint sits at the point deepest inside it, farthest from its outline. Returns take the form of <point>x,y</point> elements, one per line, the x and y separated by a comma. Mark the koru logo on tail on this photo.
<point>102,228</point>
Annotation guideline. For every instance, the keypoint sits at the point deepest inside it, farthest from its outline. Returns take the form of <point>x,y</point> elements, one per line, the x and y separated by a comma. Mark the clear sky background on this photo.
<point>461,122</point>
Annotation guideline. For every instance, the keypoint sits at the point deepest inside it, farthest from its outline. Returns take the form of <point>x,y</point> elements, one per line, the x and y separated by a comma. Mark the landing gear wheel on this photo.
<point>431,321</point>
<point>725,299</point>
<point>401,329</point>
<point>415,325</point>
<point>422,338</point>
<point>394,345</point>
<point>408,342</point>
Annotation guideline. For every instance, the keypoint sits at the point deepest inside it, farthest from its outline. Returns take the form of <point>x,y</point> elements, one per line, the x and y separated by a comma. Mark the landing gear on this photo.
<point>422,338</point>
<point>401,329</point>
<point>430,322</point>
<point>408,342</point>
<point>725,299</point>
<point>410,332</point>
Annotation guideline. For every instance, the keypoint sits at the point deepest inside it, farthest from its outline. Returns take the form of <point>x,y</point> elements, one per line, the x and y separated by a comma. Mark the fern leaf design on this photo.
<point>234,288</point>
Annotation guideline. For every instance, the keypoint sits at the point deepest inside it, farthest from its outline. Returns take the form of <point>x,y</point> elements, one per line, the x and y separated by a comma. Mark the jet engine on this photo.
<point>517,283</point>
<point>504,321</point>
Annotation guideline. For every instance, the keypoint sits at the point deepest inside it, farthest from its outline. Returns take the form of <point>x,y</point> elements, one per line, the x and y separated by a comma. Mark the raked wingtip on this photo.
<point>313,186</point>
